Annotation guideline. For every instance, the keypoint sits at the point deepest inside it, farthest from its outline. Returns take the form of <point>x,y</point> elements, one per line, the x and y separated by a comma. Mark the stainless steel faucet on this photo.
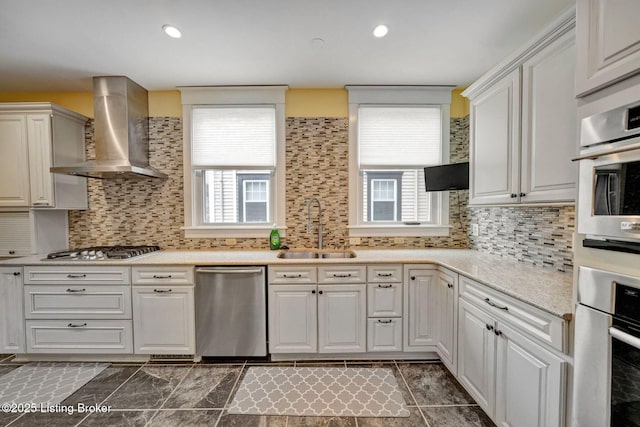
<point>310,224</point>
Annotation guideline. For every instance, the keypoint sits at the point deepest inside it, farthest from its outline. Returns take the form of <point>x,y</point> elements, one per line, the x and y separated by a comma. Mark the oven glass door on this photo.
<point>617,189</point>
<point>625,374</point>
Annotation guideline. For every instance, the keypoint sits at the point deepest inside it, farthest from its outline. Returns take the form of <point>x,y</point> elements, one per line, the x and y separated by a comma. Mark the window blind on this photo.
<point>399,136</point>
<point>233,136</point>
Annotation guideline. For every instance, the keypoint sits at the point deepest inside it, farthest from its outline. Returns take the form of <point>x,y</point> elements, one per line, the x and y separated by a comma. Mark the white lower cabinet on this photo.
<point>419,314</point>
<point>342,318</point>
<point>516,381</point>
<point>79,336</point>
<point>163,319</point>
<point>163,310</point>
<point>293,318</point>
<point>384,334</point>
<point>445,307</point>
<point>12,338</point>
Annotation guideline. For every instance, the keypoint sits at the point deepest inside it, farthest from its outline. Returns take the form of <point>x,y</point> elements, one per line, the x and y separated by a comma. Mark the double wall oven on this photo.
<point>606,377</point>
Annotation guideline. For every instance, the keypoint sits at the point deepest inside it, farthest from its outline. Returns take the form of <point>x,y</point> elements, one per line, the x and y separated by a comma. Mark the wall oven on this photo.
<point>609,194</point>
<point>607,350</point>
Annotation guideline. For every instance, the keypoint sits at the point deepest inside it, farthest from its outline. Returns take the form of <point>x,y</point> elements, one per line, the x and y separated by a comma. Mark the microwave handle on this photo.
<point>624,337</point>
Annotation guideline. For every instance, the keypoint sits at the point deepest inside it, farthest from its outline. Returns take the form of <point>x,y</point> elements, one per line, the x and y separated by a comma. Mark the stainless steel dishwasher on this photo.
<point>231,311</point>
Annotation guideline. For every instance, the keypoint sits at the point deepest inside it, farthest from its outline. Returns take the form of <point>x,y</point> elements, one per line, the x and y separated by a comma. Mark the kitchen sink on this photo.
<point>298,254</point>
<point>342,254</point>
<point>313,254</point>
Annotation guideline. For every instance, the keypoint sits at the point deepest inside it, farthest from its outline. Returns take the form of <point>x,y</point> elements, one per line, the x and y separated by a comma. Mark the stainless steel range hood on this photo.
<point>121,110</point>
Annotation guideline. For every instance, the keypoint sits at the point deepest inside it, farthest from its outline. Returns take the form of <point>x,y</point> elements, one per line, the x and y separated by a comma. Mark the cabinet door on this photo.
<point>14,161</point>
<point>446,309</point>
<point>293,319</point>
<point>384,300</point>
<point>608,37</point>
<point>549,139</point>
<point>420,333</point>
<point>163,320</point>
<point>476,355</point>
<point>15,233</point>
<point>384,334</point>
<point>495,138</point>
<point>529,382</point>
<point>342,318</point>
<point>40,160</point>
<point>12,334</point>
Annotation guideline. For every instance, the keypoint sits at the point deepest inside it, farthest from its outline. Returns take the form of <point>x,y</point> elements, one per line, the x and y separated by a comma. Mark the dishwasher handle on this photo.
<point>229,271</point>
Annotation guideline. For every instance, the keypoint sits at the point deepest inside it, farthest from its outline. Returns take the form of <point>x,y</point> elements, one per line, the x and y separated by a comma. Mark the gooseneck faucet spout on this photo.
<point>310,223</point>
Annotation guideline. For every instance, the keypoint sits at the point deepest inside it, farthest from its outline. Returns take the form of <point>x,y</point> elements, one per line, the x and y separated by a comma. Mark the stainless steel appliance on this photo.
<point>607,350</point>
<point>609,192</point>
<point>100,253</point>
<point>231,311</point>
<point>121,110</point>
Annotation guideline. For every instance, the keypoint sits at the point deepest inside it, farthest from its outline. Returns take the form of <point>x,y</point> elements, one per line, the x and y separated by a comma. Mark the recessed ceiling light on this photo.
<point>172,31</point>
<point>380,31</point>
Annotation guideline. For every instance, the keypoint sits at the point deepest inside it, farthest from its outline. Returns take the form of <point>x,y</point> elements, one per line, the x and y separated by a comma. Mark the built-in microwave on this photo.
<point>609,190</point>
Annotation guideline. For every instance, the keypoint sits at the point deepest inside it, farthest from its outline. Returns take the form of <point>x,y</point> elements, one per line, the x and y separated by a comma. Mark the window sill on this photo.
<point>230,231</point>
<point>399,230</point>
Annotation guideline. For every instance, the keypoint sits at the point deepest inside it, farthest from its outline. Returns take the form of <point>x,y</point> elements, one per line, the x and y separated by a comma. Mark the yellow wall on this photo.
<point>299,102</point>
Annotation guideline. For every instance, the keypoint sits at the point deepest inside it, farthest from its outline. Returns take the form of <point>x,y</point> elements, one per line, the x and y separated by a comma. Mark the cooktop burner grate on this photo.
<point>102,252</point>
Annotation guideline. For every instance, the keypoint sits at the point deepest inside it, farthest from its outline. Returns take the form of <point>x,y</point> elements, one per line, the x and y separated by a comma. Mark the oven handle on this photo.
<point>624,337</point>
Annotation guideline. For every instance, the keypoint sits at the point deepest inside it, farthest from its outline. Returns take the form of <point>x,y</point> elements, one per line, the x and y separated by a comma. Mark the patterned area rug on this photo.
<point>320,392</point>
<point>46,383</point>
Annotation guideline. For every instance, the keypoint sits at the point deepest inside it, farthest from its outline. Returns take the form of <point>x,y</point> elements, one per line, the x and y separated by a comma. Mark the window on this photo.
<point>234,161</point>
<point>394,133</point>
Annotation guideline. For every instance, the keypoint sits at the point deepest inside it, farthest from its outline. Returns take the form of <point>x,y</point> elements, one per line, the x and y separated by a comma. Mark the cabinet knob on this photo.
<point>16,273</point>
<point>449,285</point>
<point>489,327</point>
<point>313,292</point>
<point>513,195</point>
<point>523,194</point>
<point>320,292</point>
<point>413,277</point>
<point>12,252</point>
<point>497,332</point>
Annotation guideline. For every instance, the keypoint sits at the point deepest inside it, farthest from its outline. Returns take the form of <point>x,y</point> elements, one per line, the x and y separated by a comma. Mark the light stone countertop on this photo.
<point>544,288</point>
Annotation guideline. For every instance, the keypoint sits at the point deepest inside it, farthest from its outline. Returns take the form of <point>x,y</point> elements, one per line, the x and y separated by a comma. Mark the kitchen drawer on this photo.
<point>342,274</point>
<point>384,334</point>
<point>79,336</point>
<point>169,275</point>
<point>384,299</point>
<point>75,301</point>
<point>391,273</point>
<point>63,275</point>
<point>530,320</point>
<point>283,275</point>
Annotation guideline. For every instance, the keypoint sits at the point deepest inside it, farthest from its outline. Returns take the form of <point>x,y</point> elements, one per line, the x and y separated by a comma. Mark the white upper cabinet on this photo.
<point>494,151</point>
<point>33,138</point>
<point>522,129</point>
<point>608,38</point>
<point>549,139</point>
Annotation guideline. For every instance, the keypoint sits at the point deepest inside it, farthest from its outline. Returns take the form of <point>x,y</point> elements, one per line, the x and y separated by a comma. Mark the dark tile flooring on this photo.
<point>197,394</point>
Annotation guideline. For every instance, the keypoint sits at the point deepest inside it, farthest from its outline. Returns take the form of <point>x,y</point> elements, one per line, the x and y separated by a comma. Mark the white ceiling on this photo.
<point>48,45</point>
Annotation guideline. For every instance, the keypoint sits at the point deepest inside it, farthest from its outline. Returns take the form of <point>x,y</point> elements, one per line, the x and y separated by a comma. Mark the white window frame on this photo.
<point>233,96</point>
<point>439,96</point>
<point>266,201</point>
<point>394,200</point>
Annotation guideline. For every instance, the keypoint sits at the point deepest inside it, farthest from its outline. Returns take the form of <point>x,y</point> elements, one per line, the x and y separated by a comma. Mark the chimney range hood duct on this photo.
<point>121,110</point>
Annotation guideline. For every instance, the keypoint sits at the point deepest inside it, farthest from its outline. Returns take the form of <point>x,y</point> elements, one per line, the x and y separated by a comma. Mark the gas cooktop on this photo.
<point>98,253</point>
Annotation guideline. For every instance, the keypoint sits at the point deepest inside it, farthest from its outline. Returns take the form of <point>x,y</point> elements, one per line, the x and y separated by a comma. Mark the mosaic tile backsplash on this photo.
<point>150,211</point>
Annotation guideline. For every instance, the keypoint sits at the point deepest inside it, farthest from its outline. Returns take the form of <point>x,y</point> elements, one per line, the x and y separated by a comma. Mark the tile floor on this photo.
<point>190,394</point>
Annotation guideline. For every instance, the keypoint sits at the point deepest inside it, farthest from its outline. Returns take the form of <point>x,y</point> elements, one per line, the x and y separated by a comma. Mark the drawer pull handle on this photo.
<point>292,276</point>
<point>162,291</point>
<point>385,274</point>
<point>384,321</point>
<point>71,325</point>
<point>76,276</point>
<point>155,276</point>
<point>342,276</point>
<point>76,290</point>
<point>385,286</point>
<point>493,304</point>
